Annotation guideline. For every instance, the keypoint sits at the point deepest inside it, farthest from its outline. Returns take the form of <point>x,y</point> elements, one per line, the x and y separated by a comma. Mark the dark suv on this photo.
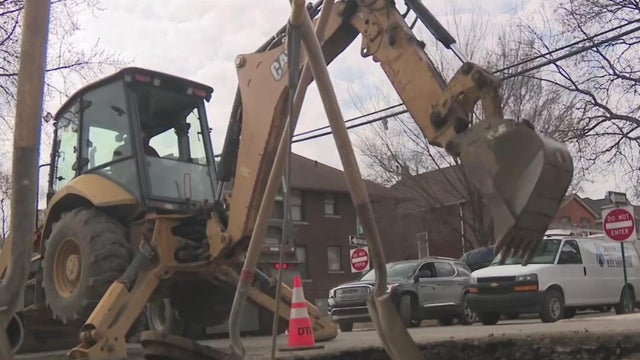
<point>427,288</point>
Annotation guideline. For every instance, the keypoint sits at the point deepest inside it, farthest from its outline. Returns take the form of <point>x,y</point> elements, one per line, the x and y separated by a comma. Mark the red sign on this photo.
<point>359,259</point>
<point>619,224</point>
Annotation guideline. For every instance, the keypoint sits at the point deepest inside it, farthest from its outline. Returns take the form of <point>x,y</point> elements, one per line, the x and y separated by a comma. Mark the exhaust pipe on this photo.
<point>15,332</point>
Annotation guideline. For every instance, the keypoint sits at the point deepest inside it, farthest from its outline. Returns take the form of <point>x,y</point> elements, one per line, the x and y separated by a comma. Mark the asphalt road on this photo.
<point>363,339</point>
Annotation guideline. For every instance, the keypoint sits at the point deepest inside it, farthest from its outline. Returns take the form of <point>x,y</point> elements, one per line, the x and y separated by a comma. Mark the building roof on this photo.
<point>436,188</point>
<point>594,207</point>
<point>308,174</point>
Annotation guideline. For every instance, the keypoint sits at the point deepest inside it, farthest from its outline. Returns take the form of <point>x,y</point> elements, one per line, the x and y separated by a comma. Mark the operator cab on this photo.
<point>144,130</point>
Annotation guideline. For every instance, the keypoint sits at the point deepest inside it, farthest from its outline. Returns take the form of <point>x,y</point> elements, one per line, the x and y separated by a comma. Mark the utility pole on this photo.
<point>26,149</point>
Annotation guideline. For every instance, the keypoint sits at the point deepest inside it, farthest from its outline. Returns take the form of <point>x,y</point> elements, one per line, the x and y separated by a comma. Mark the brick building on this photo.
<point>323,218</point>
<point>576,212</point>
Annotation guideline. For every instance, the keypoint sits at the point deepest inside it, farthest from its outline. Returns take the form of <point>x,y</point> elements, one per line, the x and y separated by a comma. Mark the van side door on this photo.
<point>573,274</point>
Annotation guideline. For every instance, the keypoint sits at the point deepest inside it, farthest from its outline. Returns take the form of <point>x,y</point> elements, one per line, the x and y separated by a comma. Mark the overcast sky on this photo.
<point>199,39</point>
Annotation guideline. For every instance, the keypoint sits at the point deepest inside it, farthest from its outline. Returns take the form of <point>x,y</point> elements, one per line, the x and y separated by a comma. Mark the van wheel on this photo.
<point>552,307</point>
<point>489,318</point>
<point>627,302</point>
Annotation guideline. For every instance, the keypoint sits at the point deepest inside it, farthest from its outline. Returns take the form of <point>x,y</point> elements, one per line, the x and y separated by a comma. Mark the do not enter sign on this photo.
<point>619,223</point>
<point>359,259</point>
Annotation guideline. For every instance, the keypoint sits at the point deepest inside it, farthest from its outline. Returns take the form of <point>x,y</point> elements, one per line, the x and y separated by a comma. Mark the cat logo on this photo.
<point>279,66</point>
<point>494,284</point>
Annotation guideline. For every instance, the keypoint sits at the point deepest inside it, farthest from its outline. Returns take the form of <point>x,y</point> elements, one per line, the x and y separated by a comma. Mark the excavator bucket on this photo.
<point>522,176</point>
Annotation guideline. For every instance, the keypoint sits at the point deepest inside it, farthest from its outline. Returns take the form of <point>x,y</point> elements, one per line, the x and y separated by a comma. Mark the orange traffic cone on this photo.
<point>300,329</point>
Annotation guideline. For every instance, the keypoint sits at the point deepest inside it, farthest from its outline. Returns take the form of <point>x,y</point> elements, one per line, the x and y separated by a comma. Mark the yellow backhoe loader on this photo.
<point>136,208</point>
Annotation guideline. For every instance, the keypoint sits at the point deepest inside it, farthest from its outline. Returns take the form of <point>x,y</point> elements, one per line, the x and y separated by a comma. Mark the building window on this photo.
<point>330,204</point>
<point>585,223</point>
<point>565,221</point>
<point>334,258</point>
<point>302,264</point>
<point>295,202</point>
<point>273,236</point>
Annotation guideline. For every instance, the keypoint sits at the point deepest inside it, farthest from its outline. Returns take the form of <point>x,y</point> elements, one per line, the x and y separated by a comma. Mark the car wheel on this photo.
<point>552,307</point>
<point>467,316</point>
<point>445,321</point>
<point>406,310</point>
<point>627,302</point>
<point>569,313</point>
<point>489,318</point>
<point>346,326</point>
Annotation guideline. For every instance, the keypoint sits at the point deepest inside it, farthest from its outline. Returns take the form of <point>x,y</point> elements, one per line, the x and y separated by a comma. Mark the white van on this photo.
<point>566,273</point>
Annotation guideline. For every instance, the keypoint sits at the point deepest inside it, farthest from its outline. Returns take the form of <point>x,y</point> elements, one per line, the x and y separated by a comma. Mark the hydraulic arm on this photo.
<point>523,188</point>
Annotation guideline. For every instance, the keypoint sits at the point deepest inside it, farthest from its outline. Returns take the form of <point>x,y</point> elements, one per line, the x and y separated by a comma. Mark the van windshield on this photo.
<point>545,254</point>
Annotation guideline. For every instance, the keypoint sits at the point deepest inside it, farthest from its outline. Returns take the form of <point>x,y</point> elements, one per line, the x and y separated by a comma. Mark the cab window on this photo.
<point>570,253</point>
<point>66,143</point>
<point>105,124</point>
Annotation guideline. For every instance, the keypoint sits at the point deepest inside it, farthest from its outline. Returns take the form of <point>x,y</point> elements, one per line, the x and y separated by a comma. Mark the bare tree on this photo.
<point>5,202</point>
<point>67,62</point>
<point>396,153</point>
<point>604,81</point>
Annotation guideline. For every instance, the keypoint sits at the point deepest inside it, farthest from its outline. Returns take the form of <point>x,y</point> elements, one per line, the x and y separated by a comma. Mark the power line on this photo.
<point>506,77</point>
<point>551,52</point>
<point>371,121</point>
<point>352,119</point>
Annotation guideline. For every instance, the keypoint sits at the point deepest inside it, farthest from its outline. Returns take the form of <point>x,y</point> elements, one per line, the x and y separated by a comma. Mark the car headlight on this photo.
<point>391,287</point>
<point>332,293</point>
<point>527,278</point>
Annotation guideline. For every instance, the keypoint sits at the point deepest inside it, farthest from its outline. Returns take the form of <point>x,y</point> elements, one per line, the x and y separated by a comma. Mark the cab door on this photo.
<point>574,275</point>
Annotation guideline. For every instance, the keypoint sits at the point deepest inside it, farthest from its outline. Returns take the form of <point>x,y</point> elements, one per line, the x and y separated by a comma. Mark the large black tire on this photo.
<point>406,308</point>
<point>162,317</point>
<point>489,318</point>
<point>552,307</point>
<point>86,251</point>
<point>627,301</point>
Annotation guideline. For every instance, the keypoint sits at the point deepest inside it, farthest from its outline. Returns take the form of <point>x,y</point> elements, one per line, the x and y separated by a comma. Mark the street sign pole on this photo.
<point>618,222</point>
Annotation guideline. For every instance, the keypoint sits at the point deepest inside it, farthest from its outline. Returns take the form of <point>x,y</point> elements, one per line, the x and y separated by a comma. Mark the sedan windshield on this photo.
<point>545,254</point>
<point>394,271</point>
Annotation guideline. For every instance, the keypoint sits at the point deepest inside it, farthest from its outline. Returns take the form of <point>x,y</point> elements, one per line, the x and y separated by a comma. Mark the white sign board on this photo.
<point>359,259</point>
<point>355,241</point>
